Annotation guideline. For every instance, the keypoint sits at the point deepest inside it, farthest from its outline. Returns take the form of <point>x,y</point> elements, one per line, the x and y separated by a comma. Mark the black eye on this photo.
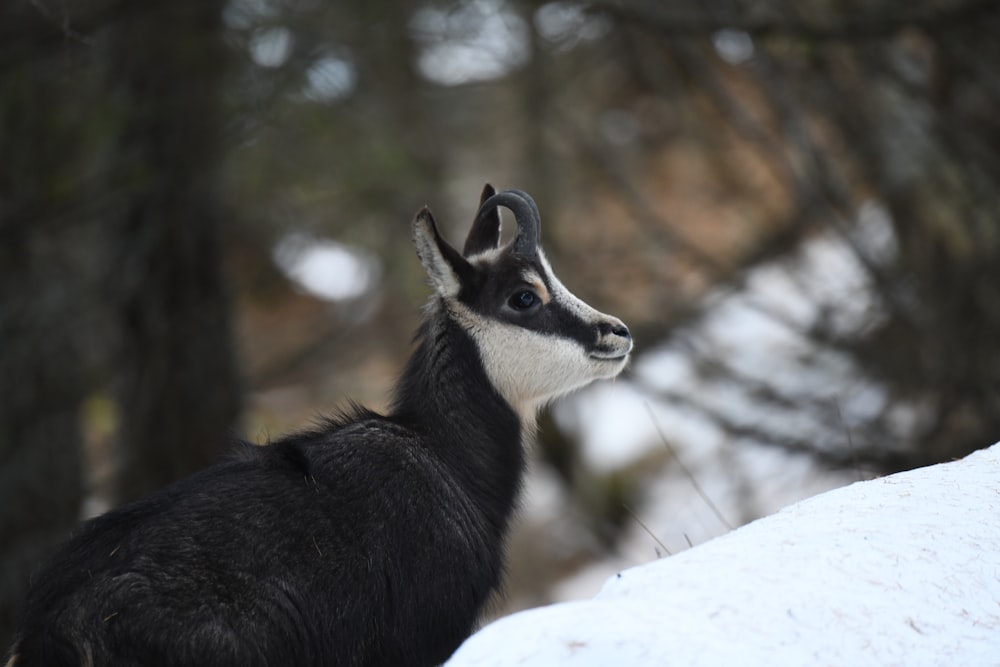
<point>522,300</point>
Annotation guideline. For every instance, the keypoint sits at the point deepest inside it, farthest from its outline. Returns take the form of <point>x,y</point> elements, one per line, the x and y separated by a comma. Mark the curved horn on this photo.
<point>525,213</point>
<point>531,202</point>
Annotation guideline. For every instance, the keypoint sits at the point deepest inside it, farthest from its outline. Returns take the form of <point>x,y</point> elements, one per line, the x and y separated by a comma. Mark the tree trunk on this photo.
<point>43,320</point>
<point>178,388</point>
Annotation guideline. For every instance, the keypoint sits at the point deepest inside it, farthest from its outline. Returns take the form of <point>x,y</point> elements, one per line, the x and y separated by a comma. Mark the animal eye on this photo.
<point>522,300</point>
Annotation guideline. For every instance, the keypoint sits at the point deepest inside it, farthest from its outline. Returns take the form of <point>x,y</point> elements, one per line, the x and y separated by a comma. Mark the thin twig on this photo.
<point>646,528</point>
<point>850,441</point>
<point>694,482</point>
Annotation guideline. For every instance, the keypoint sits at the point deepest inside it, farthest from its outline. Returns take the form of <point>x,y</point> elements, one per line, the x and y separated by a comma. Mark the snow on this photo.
<point>325,268</point>
<point>481,40</point>
<point>901,570</point>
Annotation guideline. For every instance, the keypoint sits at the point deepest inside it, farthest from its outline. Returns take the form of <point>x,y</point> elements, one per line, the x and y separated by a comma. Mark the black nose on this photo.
<point>617,329</point>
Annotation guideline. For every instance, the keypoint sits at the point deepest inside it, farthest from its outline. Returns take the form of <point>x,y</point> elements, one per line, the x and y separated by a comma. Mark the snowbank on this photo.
<point>902,570</point>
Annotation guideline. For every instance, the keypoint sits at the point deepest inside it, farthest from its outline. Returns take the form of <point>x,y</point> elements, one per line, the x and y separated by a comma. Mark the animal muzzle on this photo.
<point>614,342</point>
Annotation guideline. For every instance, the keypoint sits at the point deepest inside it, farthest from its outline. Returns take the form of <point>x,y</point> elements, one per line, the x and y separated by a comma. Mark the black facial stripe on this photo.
<point>490,285</point>
<point>488,290</point>
<point>557,319</point>
<point>472,288</point>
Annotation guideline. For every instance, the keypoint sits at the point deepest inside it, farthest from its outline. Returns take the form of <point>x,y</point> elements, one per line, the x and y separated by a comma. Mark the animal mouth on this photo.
<point>609,356</point>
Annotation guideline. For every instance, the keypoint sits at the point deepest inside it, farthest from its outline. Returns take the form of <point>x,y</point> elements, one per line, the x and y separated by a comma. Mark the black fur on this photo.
<point>373,540</point>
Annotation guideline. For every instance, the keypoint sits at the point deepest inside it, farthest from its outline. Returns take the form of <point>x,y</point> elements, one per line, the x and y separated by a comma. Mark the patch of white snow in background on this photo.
<point>330,78</point>
<point>566,24</point>
<point>733,46</point>
<point>327,269</point>
<point>270,47</point>
<point>481,40</point>
<point>612,424</point>
<point>902,570</point>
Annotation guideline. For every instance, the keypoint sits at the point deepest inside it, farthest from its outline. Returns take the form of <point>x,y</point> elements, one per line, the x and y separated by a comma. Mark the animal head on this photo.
<point>536,339</point>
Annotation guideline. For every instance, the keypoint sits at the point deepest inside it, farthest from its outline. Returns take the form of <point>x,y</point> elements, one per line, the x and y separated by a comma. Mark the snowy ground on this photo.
<point>902,570</point>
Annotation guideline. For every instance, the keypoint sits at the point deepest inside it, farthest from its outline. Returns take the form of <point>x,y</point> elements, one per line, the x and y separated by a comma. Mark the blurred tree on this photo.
<point>47,114</point>
<point>177,383</point>
<point>109,260</point>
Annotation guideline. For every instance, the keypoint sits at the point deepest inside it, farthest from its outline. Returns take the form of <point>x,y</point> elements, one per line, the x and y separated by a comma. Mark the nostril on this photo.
<point>613,328</point>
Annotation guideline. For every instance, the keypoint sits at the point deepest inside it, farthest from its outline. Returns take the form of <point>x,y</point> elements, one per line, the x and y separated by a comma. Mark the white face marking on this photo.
<point>529,368</point>
<point>569,300</point>
<point>485,257</point>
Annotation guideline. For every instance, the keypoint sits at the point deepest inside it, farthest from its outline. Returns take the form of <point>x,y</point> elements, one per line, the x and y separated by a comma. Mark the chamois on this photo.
<point>372,540</point>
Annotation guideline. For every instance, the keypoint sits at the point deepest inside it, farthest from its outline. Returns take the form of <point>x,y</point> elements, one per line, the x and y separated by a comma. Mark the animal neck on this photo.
<point>445,394</point>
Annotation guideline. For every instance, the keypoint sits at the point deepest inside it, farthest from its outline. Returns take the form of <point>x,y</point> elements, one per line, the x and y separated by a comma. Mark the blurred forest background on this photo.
<point>204,231</point>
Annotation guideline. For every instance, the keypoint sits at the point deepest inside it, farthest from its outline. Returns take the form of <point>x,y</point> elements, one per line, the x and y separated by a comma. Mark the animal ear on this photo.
<point>485,232</point>
<point>446,267</point>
